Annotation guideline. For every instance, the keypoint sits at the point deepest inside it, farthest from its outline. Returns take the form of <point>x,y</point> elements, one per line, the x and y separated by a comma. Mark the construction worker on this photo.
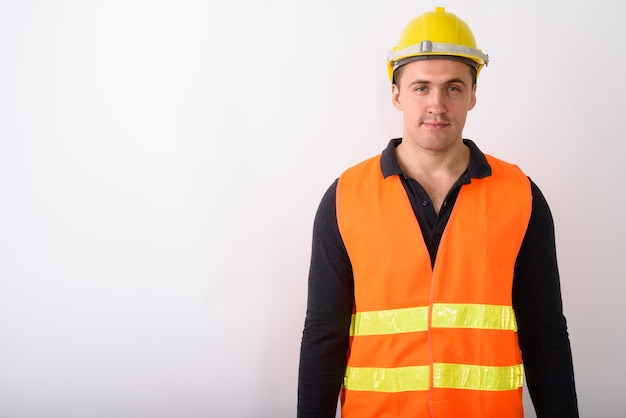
<point>433,285</point>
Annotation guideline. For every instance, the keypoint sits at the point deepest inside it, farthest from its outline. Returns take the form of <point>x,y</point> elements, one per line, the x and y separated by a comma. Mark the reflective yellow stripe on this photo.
<point>392,321</point>
<point>445,376</point>
<point>445,315</point>
<point>465,376</point>
<point>401,379</point>
<point>450,315</point>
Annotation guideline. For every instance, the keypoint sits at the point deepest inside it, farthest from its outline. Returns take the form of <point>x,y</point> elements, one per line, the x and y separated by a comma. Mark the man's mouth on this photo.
<point>435,124</point>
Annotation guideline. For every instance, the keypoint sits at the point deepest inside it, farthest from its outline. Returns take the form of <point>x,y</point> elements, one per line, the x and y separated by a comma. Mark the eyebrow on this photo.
<point>451,81</point>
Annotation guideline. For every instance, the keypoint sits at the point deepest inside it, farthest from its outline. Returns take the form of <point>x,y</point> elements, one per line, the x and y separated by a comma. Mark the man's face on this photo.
<point>434,96</point>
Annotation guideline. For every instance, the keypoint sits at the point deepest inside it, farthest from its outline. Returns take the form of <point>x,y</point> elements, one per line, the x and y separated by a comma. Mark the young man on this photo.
<point>433,283</point>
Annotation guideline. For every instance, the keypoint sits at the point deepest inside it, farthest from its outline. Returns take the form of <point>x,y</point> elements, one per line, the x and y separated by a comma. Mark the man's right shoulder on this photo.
<point>363,166</point>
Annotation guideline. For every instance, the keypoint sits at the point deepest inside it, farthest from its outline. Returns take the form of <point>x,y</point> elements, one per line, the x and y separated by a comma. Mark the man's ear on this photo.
<point>395,96</point>
<point>473,98</point>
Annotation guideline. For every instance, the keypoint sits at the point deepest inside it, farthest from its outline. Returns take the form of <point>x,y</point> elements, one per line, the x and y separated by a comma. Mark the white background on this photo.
<point>161,163</point>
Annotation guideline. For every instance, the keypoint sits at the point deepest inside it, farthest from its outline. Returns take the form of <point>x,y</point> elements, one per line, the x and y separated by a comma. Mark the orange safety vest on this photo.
<point>433,341</point>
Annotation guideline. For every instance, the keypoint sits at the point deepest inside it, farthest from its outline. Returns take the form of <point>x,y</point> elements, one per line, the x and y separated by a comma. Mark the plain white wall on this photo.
<point>161,163</point>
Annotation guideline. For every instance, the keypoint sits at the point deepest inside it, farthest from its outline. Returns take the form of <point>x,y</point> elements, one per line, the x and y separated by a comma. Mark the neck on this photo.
<point>423,164</point>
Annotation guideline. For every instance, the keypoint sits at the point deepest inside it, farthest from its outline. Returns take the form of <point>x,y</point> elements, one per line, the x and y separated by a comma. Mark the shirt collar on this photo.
<point>478,166</point>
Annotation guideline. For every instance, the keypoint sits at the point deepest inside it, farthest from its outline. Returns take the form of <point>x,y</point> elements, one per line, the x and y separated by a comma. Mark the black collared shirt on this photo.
<point>542,328</point>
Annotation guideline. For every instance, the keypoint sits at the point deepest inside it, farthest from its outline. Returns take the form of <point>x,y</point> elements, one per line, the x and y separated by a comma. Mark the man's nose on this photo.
<point>436,102</point>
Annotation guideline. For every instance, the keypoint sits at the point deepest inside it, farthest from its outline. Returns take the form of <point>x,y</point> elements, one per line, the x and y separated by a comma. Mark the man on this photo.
<point>433,273</point>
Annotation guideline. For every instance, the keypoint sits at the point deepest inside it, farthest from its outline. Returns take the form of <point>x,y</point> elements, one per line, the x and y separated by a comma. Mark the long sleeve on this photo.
<point>542,328</point>
<point>325,338</point>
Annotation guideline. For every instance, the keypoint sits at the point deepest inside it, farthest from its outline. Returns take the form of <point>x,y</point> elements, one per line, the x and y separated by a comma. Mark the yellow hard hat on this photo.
<point>437,33</point>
